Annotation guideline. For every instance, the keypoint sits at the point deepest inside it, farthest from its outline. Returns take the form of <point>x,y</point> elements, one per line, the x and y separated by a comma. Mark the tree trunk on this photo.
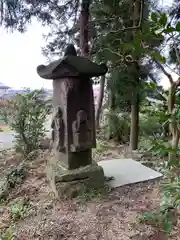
<point>100,101</point>
<point>111,107</point>
<point>173,125</point>
<point>84,20</point>
<point>134,131</point>
<point>111,101</point>
<point>174,145</point>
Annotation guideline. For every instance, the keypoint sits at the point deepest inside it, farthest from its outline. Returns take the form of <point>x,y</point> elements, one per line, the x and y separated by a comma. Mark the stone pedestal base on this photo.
<point>69,183</point>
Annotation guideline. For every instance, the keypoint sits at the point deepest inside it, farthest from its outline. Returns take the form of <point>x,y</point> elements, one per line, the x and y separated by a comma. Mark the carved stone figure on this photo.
<point>58,129</point>
<point>81,132</point>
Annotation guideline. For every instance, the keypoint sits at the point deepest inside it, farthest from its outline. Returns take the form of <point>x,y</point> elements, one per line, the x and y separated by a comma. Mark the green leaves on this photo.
<point>169,29</point>
<point>28,119</point>
<point>159,18</point>
<point>158,57</point>
<point>168,226</point>
<point>163,19</point>
<point>158,219</point>
<point>178,27</point>
<point>154,16</point>
<point>147,217</point>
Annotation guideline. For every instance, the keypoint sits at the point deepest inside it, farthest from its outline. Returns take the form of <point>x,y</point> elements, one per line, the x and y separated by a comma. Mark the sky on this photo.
<point>21,54</point>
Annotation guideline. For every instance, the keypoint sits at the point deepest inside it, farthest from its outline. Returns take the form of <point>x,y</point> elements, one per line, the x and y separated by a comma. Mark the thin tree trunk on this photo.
<point>100,101</point>
<point>134,131</point>
<point>173,126</point>
<point>111,107</point>
<point>84,20</point>
<point>84,46</point>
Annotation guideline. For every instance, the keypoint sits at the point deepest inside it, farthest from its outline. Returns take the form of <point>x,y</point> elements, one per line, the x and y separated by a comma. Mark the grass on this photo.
<point>92,194</point>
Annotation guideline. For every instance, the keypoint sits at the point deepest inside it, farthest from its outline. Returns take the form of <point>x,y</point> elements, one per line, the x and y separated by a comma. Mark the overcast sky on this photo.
<point>21,53</point>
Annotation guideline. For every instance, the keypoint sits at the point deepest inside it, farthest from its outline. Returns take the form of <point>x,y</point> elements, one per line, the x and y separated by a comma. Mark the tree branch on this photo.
<point>177,83</point>
<point>126,28</point>
<point>165,72</point>
<point>164,96</point>
<point>171,69</point>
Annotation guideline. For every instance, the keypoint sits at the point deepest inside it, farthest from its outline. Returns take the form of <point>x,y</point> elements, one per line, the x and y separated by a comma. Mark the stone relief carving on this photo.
<point>58,132</point>
<point>81,132</point>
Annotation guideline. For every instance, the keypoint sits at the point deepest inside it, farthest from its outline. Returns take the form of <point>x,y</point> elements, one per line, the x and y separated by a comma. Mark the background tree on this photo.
<point>120,34</point>
<point>26,116</point>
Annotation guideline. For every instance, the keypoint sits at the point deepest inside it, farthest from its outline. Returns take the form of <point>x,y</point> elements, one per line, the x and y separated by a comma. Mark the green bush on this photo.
<point>28,120</point>
<point>118,126</point>
<point>150,125</point>
<point>6,111</point>
<point>154,121</point>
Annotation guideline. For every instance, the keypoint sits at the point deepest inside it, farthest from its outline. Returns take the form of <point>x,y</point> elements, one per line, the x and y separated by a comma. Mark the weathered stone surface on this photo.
<point>77,64</point>
<point>73,133</point>
<point>90,171</point>
<point>73,124</point>
<point>69,183</point>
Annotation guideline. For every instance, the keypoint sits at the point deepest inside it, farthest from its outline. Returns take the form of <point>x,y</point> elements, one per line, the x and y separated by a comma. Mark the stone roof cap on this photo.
<point>81,65</point>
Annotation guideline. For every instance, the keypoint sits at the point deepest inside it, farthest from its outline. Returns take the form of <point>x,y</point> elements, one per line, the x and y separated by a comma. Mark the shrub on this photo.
<point>150,125</point>
<point>6,111</point>
<point>153,121</point>
<point>118,126</point>
<point>28,119</point>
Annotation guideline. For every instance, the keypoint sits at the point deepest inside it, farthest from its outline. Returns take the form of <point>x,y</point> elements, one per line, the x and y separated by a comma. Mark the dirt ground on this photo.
<point>114,217</point>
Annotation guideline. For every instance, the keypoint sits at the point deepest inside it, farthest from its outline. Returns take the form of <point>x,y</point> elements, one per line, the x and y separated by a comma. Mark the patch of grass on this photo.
<point>99,150</point>
<point>144,144</point>
<point>93,194</point>
<point>160,219</point>
<point>8,235</point>
<point>20,209</point>
<point>14,177</point>
<point>101,147</point>
<point>3,202</point>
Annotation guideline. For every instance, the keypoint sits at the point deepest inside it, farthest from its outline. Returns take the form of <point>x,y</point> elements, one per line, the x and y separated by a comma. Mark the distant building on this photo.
<point>3,89</point>
<point>13,92</point>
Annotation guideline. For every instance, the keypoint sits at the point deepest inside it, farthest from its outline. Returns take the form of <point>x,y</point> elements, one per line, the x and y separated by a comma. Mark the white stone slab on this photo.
<point>127,171</point>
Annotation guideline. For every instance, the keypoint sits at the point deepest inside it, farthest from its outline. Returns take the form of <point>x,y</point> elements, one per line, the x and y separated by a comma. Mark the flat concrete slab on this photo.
<point>127,171</point>
<point>6,140</point>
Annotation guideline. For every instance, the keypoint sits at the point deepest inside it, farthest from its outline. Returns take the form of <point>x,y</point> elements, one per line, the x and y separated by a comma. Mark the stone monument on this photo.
<point>73,123</point>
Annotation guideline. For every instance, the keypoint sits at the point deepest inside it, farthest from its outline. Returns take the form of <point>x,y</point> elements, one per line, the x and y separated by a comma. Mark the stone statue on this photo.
<point>73,125</point>
<point>81,131</point>
<point>58,129</point>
